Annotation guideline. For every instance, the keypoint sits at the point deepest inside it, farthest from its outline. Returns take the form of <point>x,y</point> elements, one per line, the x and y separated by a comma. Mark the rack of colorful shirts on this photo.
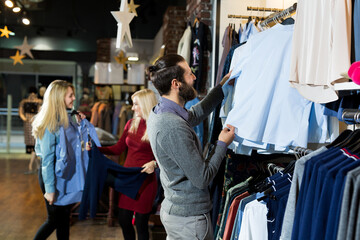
<point>314,197</point>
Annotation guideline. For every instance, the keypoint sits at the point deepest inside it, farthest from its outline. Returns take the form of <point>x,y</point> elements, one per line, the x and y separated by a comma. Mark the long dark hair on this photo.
<point>164,71</point>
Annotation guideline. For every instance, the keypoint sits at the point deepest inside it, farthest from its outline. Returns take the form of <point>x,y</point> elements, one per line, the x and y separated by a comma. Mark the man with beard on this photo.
<point>184,173</point>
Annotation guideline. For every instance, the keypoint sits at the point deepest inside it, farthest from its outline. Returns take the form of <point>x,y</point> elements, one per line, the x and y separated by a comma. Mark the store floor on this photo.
<point>22,207</point>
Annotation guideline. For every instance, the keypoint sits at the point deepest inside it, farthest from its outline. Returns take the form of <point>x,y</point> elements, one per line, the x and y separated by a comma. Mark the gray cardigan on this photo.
<point>184,173</point>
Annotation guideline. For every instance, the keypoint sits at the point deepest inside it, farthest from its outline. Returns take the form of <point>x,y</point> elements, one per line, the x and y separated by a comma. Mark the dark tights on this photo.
<point>58,219</point>
<point>141,223</point>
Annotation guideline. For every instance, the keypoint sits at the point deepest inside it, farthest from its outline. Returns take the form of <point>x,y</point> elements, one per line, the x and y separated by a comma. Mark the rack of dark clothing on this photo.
<point>278,16</point>
<point>313,197</point>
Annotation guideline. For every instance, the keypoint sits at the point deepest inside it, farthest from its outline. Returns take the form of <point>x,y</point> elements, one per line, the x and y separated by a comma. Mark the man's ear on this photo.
<point>175,83</point>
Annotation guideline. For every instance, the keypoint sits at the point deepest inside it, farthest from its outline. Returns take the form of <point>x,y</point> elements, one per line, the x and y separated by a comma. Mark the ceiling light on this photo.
<point>25,21</point>
<point>132,56</point>
<point>16,9</point>
<point>9,3</point>
<point>133,59</point>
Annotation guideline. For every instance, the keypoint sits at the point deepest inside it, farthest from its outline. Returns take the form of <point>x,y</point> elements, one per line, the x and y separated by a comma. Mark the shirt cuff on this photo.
<point>221,143</point>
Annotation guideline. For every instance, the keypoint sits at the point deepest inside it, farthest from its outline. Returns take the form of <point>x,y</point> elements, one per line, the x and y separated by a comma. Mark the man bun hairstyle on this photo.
<point>164,71</point>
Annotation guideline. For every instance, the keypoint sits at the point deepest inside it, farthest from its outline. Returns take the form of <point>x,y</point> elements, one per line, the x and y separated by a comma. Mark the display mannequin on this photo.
<point>28,107</point>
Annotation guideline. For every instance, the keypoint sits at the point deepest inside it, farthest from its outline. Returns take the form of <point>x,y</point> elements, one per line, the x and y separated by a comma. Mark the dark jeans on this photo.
<point>58,219</point>
<point>141,223</point>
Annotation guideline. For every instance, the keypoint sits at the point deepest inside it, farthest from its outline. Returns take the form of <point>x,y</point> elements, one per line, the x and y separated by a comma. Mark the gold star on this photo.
<point>121,59</point>
<point>17,58</point>
<point>25,48</point>
<point>5,32</point>
<point>123,18</point>
<point>132,7</point>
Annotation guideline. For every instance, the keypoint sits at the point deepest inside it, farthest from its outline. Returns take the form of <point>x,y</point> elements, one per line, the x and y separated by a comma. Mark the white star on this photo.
<point>123,17</point>
<point>25,48</point>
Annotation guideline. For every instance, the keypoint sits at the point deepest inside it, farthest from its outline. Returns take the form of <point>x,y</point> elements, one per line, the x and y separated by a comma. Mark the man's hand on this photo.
<point>225,78</point>
<point>50,197</point>
<point>227,135</point>
<point>149,167</point>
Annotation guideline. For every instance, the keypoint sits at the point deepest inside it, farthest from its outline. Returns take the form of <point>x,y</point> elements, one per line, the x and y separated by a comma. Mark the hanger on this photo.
<point>353,138</point>
<point>289,20</point>
<point>196,22</point>
<point>344,135</point>
<point>249,19</point>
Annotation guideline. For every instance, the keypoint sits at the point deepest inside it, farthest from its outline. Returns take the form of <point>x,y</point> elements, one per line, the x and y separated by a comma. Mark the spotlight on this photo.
<point>25,21</point>
<point>9,3</point>
<point>16,9</point>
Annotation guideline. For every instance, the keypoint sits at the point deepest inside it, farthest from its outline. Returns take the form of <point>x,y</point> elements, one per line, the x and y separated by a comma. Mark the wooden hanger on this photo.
<point>196,22</point>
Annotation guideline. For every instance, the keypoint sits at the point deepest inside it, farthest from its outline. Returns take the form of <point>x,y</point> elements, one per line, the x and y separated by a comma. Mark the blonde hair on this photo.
<point>52,113</point>
<point>147,100</point>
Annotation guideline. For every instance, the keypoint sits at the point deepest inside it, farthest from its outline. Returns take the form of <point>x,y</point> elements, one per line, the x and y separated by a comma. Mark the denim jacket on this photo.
<point>65,160</point>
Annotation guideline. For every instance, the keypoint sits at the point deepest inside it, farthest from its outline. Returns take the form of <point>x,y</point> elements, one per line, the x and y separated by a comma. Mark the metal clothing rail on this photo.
<point>263,9</point>
<point>351,116</point>
<point>258,9</point>
<point>240,16</point>
<point>278,16</point>
<point>300,151</point>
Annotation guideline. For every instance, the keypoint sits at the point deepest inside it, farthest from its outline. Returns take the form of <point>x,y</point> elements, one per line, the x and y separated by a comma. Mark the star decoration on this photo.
<point>132,7</point>
<point>5,32</point>
<point>17,58</point>
<point>123,18</point>
<point>121,59</point>
<point>25,48</point>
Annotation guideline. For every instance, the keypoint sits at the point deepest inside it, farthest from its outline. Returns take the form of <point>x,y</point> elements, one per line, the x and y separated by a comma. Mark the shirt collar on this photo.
<point>166,105</point>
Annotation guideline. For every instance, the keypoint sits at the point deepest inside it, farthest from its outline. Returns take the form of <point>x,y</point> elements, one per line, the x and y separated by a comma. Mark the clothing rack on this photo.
<point>279,15</point>
<point>263,9</point>
<point>239,16</point>
<point>300,150</point>
<point>351,116</point>
<point>258,9</point>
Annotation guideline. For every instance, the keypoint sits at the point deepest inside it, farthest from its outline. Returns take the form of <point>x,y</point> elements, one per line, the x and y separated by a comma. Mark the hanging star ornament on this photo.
<point>132,7</point>
<point>25,48</point>
<point>17,58</point>
<point>121,59</point>
<point>123,17</point>
<point>5,32</point>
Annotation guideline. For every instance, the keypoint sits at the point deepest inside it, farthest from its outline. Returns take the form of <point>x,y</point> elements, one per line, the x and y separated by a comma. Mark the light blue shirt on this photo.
<point>65,161</point>
<point>268,113</point>
<point>248,32</point>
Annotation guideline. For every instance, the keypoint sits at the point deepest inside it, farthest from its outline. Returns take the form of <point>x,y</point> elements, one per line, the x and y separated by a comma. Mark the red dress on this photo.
<point>139,153</point>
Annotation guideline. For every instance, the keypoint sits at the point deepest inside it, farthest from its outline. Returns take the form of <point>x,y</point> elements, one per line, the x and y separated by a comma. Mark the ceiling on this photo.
<point>82,20</point>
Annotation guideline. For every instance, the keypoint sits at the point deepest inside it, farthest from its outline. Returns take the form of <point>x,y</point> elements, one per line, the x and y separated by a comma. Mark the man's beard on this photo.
<point>187,92</point>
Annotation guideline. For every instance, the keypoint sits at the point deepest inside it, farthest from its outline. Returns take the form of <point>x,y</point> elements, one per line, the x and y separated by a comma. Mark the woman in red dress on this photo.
<point>139,154</point>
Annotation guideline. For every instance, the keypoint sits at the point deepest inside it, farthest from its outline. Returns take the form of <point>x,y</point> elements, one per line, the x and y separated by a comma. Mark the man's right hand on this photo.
<point>227,135</point>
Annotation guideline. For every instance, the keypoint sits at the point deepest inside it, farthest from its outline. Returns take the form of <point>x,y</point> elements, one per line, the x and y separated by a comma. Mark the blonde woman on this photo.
<point>59,143</point>
<point>135,139</point>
